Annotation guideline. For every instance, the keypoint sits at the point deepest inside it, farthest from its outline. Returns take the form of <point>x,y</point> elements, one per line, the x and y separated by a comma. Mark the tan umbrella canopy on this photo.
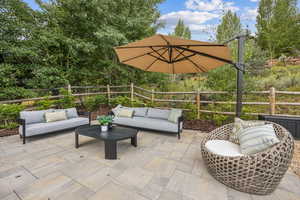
<point>168,54</point>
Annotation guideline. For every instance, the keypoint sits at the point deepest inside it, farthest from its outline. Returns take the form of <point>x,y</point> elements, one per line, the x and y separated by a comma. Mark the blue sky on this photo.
<point>202,16</point>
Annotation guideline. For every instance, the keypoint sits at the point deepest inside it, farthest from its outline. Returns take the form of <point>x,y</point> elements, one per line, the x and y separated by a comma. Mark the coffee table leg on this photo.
<point>111,150</point>
<point>134,141</point>
<point>76,140</point>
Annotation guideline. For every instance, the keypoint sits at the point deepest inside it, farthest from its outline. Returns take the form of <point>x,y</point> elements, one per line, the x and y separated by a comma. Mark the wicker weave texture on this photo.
<point>259,173</point>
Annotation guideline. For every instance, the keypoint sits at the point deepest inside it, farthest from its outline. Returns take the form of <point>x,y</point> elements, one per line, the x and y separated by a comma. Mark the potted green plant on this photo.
<point>104,122</point>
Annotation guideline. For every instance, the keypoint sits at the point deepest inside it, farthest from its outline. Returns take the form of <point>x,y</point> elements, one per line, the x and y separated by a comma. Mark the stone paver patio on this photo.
<point>161,167</point>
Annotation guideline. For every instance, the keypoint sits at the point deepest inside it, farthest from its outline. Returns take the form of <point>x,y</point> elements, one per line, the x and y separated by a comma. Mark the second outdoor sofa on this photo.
<point>33,123</point>
<point>149,119</point>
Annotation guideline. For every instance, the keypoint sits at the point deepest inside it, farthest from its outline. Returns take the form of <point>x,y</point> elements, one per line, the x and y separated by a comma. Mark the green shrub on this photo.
<point>138,103</point>
<point>192,113</point>
<point>220,119</point>
<point>9,125</point>
<point>93,103</point>
<point>15,93</point>
<point>152,104</point>
<point>67,101</point>
<point>45,104</point>
<point>9,113</point>
<point>126,101</point>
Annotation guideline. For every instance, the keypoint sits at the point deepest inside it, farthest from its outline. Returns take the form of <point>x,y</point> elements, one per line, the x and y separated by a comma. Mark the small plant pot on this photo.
<point>104,128</point>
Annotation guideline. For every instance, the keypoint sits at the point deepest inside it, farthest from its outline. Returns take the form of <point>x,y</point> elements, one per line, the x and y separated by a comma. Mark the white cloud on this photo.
<point>254,0</point>
<point>189,17</point>
<point>249,14</point>
<point>195,20</point>
<point>211,5</point>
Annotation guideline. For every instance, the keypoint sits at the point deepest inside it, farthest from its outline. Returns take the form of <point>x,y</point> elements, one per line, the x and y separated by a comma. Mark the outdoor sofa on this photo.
<point>149,119</point>
<point>33,123</point>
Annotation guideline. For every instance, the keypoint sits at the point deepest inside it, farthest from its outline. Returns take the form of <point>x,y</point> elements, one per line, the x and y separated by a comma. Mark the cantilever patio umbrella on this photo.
<point>168,54</point>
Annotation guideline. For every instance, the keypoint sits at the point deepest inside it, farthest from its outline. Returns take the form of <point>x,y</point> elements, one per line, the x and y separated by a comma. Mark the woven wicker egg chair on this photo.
<point>259,173</point>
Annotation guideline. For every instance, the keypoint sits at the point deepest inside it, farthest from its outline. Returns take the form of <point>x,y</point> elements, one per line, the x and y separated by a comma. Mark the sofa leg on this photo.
<point>178,135</point>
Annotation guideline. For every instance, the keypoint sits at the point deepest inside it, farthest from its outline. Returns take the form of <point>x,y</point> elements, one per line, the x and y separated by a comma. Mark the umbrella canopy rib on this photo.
<point>163,60</point>
<point>147,68</point>
<point>178,55</point>
<point>184,58</point>
<point>170,55</point>
<point>197,66</point>
<point>202,69</point>
<point>168,43</point>
<point>160,55</point>
<point>206,55</point>
<point>140,55</point>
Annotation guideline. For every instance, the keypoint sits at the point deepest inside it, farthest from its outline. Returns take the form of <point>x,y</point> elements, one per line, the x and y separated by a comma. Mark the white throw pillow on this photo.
<point>239,125</point>
<point>174,114</point>
<point>257,139</point>
<point>55,116</point>
<point>125,113</point>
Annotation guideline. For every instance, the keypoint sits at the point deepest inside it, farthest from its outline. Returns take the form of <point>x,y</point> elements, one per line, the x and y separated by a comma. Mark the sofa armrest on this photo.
<point>86,114</point>
<point>22,122</point>
<point>111,113</point>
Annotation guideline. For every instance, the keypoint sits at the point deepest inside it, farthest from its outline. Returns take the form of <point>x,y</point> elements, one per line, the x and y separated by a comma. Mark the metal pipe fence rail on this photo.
<point>195,97</point>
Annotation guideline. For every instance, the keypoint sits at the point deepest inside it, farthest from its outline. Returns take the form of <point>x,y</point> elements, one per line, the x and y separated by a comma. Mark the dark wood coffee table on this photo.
<point>110,138</point>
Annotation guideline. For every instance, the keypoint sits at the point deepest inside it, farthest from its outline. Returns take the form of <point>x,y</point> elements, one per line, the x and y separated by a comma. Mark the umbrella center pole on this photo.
<point>240,74</point>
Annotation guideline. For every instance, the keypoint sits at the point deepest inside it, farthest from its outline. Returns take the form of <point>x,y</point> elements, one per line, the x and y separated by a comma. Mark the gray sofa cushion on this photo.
<point>158,113</point>
<point>41,128</point>
<point>140,112</point>
<point>147,123</point>
<point>71,113</point>
<point>34,116</point>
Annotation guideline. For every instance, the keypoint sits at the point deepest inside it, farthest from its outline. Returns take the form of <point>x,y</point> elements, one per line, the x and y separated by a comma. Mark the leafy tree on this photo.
<point>278,27</point>
<point>72,42</point>
<point>181,30</point>
<point>88,31</point>
<point>230,26</point>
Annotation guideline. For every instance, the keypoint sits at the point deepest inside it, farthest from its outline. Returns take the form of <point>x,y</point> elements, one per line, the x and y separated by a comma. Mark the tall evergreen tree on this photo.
<point>263,22</point>
<point>230,26</point>
<point>181,30</point>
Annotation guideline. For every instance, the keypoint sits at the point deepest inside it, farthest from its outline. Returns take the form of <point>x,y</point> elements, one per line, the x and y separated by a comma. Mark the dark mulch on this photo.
<point>101,111</point>
<point>8,132</point>
<point>199,124</point>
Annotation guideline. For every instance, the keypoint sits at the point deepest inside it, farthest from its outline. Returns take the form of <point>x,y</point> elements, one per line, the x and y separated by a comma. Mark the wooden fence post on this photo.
<point>131,92</point>
<point>198,104</point>
<point>69,89</point>
<point>272,98</point>
<point>108,94</point>
<point>152,96</point>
